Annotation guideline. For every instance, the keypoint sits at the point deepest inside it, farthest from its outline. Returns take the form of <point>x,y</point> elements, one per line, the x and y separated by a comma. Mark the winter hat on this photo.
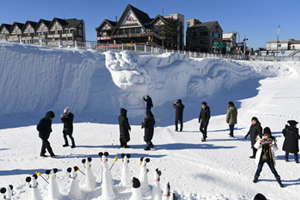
<point>292,122</point>
<point>267,130</point>
<point>260,196</point>
<point>204,103</point>
<point>179,101</point>
<point>66,110</point>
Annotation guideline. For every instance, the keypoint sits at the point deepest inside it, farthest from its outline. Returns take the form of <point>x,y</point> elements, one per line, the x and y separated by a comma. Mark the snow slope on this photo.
<point>96,85</point>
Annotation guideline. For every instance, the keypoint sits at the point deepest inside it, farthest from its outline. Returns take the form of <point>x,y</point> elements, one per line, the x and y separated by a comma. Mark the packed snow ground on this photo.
<point>95,86</point>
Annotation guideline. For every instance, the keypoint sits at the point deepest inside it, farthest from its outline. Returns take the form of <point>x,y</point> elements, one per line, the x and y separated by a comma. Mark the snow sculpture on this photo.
<point>107,189</point>
<point>143,178</point>
<point>53,192</point>
<point>7,192</point>
<point>136,190</point>
<point>75,192</point>
<point>166,192</point>
<point>35,192</point>
<point>126,176</point>
<point>156,190</point>
<point>90,181</point>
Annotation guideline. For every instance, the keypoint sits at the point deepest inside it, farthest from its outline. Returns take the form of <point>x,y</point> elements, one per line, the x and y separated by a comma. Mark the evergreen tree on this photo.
<point>171,32</point>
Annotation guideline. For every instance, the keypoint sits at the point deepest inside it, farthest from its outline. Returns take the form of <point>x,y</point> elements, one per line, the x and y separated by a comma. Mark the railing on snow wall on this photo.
<point>135,47</point>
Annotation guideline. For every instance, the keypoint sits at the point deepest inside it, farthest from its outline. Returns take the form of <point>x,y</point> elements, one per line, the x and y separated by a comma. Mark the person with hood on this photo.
<point>124,128</point>
<point>204,120</point>
<point>265,154</point>
<point>255,132</point>
<point>231,117</point>
<point>149,103</point>
<point>179,114</point>
<point>67,119</point>
<point>148,124</point>
<point>291,144</point>
<point>44,129</point>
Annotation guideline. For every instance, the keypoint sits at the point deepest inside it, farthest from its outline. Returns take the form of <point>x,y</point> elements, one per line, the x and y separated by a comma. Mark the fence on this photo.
<point>134,47</point>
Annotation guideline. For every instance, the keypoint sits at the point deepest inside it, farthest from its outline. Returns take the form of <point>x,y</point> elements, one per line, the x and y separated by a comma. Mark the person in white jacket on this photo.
<point>265,154</point>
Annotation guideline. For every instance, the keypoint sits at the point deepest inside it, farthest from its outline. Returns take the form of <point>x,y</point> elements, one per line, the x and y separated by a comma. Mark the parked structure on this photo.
<point>136,27</point>
<point>201,36</point>
<point>57,29</point>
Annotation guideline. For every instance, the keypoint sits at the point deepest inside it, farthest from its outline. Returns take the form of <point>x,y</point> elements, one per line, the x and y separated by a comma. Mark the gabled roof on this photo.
<point>33,24</point>
<point>7,26</point>
<point>62,22</point>
<point>73,22</point>
<point>158,17</point>
<point>19,25</point>
<point>206,24</point>
<point>112,24</point>
<point>46,22</point>
<point>142,17</point>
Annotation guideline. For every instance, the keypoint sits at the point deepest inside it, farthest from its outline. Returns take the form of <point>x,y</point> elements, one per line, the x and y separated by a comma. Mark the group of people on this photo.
<point>44,128</point>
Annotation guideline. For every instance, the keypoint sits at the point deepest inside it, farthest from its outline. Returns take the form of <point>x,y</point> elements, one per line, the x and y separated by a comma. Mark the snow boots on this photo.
<point>279,181</point>
<point>254,153</point>
<point>255,179</point>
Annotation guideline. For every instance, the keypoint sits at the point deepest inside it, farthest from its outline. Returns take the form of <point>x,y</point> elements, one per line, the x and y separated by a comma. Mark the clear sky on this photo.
<point>258,19</point>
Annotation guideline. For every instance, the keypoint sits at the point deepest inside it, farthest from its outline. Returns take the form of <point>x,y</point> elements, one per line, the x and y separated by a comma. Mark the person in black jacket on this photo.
<point>204,120</point>
<point>148,102</point>
<point>255,131</point>
<point>179,114</point>
<point>291,144</point>
<point>44,129</point>
<point>124,128</point>
<point>149,129</point>
<point>67,119</point>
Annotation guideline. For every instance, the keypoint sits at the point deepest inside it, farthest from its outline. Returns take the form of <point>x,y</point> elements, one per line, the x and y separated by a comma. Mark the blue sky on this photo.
<point>259,20</point>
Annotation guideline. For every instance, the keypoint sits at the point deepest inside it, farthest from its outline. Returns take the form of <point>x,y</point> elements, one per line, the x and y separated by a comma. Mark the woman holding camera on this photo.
<point>265,154</point>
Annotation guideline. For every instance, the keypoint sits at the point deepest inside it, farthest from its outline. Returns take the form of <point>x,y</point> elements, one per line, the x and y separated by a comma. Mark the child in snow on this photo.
<point>265,154</point>
<point>255,131</point>
<point>149,129</point>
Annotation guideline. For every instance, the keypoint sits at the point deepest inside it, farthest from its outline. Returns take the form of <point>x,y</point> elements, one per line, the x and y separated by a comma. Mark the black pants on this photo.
<point>176,124</point>
<point>203,130</point>
<point>123,144</point>
<point>46,145</point>
<point>71,137</point>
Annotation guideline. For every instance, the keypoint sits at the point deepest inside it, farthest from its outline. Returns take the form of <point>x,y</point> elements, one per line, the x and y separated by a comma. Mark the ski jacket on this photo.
<point>148,124</point>
<point>259,152</point>
<point>179,110</point>
<point>231,116</point>
<point>44,126</point>
<point>204,116</point>
<point>68,123</point>
<point>254,132</point>
<point>291,141</point>
<point>124,126</point>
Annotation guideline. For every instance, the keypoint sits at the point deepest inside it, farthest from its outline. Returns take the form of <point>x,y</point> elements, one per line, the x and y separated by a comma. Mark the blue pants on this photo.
<point>271,165</point>
<point>231,127</point>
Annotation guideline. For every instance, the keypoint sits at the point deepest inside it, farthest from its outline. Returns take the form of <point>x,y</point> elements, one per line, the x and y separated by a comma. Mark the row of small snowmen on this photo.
<point>140,186</point>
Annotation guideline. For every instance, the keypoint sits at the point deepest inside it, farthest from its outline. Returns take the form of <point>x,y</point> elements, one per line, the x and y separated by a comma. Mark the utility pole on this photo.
<point>245,45</point>
<point>277,40</point>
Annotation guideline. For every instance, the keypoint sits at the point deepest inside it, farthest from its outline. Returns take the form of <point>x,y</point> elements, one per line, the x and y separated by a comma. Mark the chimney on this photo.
<point>116,19</point>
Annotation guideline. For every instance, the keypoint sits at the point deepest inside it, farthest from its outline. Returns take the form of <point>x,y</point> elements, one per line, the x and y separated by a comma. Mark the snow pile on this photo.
<point>95,85</point>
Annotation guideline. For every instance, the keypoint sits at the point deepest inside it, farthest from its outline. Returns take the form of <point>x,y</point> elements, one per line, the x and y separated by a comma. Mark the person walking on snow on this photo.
<point>67,119</point>
<point>148,124</point>
<point>265,154</point>
<point>255,132</point>
<point>291,141</point>
<point>124,128</point>
<point>44,129</point>
<point>231,117</point>
<point>149,103</point>
<point>204,119</point>
<point>179,114</point>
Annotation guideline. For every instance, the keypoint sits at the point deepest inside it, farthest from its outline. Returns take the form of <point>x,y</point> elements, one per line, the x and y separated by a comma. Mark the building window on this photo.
<point>67,31</point>
<point>216,35</point>
<point>216,26</point>
<point>52,32</point>
<point>203,33</point>
<point>70,38</point>
<point>188,24</point>
<point>192,34</point>
<point>45,33</point>
<point>72,31</point>
<point>31,34</point>
<point>39,33</point>
<point>59,32</point>
<point>279,45</point>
